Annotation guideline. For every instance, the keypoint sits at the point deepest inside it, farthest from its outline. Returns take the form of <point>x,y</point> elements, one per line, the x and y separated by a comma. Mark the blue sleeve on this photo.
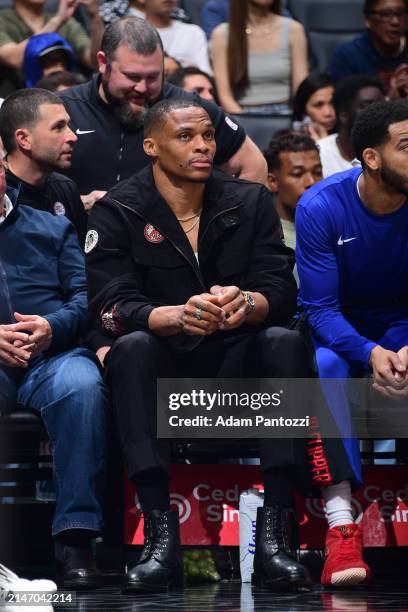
<point>70,321</point>
<point>213,14</point>
<point>319,289</point>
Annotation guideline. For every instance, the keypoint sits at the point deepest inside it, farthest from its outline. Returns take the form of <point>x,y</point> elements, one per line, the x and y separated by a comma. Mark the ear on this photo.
<point>367,22</point>
<point>372,158</point>
<point>102,63</point>
<point>149,146</point>
<point>273,183</point>
<point>23,139</point>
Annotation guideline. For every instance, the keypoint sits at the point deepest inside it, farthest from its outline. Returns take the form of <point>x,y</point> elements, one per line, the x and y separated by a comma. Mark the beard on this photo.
<point>130,118</point>
<point>393,179</point>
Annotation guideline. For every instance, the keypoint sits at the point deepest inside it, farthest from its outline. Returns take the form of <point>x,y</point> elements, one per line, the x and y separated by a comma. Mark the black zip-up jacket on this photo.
<point>138,256</point>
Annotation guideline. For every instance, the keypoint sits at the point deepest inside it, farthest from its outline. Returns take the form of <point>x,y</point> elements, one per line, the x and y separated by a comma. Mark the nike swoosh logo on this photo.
<point>84,131</point>
<point>340,241</point>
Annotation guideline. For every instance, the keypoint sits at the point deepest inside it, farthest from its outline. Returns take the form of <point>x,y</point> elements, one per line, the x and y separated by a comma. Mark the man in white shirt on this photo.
<point>352,95</point>
<point>185,42</point>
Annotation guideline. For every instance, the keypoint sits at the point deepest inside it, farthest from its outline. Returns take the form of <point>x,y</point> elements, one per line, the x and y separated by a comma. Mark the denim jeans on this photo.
<point>68,392</point>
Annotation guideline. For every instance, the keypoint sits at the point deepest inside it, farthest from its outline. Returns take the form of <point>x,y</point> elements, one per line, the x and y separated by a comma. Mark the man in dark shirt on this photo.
<point>107,113</point>
<point>382,50</point>
<point>34,129</point>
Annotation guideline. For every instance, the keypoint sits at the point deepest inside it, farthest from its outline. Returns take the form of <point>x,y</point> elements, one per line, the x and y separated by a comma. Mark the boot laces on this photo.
<point>276,531</point>
<point>161,538</point>
<point>149,532</point>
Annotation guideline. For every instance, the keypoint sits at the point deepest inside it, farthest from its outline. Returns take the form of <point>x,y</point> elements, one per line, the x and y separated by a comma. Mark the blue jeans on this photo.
<point>68,392</point>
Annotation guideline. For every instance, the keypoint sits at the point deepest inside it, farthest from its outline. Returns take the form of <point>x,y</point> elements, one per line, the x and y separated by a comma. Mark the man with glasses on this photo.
<point>381,50</point>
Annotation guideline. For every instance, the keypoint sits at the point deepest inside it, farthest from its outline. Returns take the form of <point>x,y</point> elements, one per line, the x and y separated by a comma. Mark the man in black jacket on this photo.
<point>35,132</point>
<point>188,276</point>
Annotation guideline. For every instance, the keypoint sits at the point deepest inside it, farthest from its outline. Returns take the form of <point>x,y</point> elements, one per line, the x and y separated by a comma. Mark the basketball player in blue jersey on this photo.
<point>352,259</point>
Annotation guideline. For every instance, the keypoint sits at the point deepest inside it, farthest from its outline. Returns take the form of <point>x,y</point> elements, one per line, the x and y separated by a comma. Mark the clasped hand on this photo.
<point>21,341</point>
<point>224,308</point>
<point>390,372</point>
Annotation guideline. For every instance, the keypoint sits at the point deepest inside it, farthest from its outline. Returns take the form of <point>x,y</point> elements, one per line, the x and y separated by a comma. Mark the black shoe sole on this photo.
<point>80,585</point>
<point>281,584</point>
<point>141,587</point>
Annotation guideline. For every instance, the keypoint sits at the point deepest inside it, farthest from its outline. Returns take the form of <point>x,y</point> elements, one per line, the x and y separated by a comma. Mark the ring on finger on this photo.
<point>197,313</point>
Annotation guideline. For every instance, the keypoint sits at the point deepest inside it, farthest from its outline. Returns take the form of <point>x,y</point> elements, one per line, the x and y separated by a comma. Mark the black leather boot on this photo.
<point>160,567</point>
<point>76,567</point>
<point>274,564</point>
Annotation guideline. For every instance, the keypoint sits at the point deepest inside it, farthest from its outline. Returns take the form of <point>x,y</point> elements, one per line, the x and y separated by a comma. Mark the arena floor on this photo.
<point>232,596</point>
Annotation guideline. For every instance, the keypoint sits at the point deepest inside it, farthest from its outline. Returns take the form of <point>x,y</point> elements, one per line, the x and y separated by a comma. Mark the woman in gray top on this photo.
<point>259,58</point>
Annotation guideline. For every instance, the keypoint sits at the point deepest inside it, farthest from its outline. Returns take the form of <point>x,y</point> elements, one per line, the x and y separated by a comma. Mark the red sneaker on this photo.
<point>344,565</point>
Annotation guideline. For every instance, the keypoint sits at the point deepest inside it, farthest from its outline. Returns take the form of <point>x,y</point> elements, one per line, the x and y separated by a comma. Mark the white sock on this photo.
<point>337,500</point>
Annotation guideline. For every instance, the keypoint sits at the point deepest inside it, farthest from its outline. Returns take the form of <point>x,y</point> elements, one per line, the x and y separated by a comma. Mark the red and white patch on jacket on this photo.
<point>152,234</point>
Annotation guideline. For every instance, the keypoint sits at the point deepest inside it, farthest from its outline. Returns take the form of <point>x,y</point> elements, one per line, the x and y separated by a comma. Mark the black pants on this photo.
<point>137,359</point>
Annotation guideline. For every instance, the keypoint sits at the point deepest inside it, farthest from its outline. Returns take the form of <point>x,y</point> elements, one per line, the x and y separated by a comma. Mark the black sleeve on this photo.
<point>271,264</point>
<point>115,279</point>
<point>229,135</point>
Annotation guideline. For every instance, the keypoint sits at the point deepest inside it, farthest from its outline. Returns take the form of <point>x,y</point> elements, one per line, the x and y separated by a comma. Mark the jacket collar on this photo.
<point>15,182</point>
<point>218,195</point>
<point>14,194</point>
<point>219,201</point>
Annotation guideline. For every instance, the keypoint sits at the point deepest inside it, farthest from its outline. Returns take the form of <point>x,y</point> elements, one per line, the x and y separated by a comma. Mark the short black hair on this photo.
<point>62,77</point>
<point>156,115</point>
<point>370,4</point>
<point>287,142</point>
<point>21,109</point>
<point>133,32</point>
<point>177,78</point>
<point>347,89</point>
<point>371,128</point>
<point>306,89</point>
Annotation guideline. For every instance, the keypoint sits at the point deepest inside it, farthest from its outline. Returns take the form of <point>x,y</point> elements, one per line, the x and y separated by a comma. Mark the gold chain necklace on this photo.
<point>186,231</point>
<point>256,31</point>
<point>189,218</point>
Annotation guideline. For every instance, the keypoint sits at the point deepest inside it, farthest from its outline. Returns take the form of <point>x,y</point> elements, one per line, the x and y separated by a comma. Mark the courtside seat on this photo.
<point>328,24</point>
<point>262,128</point>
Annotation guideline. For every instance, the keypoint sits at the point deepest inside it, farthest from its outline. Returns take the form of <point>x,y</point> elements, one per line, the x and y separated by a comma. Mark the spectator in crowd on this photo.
<point>171,65</point>
<point>185,42</point>
<point>382,50</point>
<point>136,8</point>
<point>214,12</point>
<point>351,96</point>
<point>45,54</point>
<point>154,258</point>
<point>27,17</point>
<point>313,110</point>
<point>259,58</point>
<point>43,317</point>
<point>130,80</point>
<point>352,262</point>
<point>293,167</point>
<point>34,130</point>
<point>194,80</point>
<point>58,81</point>
<point>111,10</point>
